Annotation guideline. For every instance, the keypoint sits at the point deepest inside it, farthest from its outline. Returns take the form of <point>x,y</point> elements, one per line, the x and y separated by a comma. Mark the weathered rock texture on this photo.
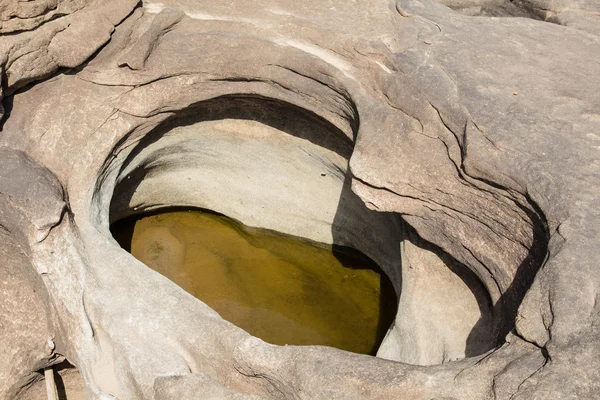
<point>580,14</point>
<point>57,34</point>
<point>472,140</point>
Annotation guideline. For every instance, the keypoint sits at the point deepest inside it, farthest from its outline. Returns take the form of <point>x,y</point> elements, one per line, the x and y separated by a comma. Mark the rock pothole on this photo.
<point>272,166</point>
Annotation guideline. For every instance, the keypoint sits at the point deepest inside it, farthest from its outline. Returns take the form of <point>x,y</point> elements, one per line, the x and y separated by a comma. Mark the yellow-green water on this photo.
<point>278,288</point>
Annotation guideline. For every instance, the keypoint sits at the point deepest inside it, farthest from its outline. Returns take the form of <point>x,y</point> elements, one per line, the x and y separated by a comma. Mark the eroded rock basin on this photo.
<point>279,288</point>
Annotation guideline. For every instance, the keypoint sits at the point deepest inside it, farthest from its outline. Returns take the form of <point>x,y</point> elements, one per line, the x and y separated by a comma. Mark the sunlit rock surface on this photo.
<point>457,143</point>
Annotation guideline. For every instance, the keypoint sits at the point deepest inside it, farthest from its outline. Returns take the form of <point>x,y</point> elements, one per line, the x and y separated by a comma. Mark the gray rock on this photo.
<point>30,206</point>
<point>583,15</point>
<point>57,34</point>
<point>460,152</point>
<point>18,15</point>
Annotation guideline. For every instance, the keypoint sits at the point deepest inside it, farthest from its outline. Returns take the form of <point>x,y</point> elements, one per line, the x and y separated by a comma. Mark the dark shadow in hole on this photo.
<point>388,301</point>
<point>354,222</point>
<point>388,308</point>
<point>60,369</point>
<point>6,104</point>
<point>60,387</point>
<point>122,231</point>
<point>511,299</point>
<point>58,379</point>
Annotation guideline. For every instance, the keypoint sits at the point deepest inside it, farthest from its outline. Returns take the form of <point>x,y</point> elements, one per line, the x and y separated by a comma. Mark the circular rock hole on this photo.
<point>287,251</point>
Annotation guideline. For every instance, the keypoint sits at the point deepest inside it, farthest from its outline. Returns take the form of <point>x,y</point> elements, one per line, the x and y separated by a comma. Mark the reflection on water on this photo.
<point>278,288</point>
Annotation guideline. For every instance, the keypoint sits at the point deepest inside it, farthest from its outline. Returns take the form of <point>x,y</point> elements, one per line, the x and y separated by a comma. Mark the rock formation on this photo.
<point>456,145</point>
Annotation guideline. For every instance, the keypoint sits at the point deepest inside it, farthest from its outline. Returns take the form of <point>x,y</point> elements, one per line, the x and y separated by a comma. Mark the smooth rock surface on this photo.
<point>478,133</point>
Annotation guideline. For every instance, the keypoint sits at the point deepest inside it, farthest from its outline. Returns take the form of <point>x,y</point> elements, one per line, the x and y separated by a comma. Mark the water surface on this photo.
<point>279,288</point>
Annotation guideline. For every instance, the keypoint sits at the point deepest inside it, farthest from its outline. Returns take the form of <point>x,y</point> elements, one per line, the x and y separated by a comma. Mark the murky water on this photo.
<point>278,288</point>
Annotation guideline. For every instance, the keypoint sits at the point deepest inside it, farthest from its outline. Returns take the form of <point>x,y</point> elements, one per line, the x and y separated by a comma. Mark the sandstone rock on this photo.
<point>30,206</point>
<point>471,141</point>
<point>18,15</point>
<point>49,42</point>
<point>582,15</point>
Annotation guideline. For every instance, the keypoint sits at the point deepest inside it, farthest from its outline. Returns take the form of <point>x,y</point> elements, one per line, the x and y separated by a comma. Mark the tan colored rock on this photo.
<point>58,34</point>
<point>418,101</point>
